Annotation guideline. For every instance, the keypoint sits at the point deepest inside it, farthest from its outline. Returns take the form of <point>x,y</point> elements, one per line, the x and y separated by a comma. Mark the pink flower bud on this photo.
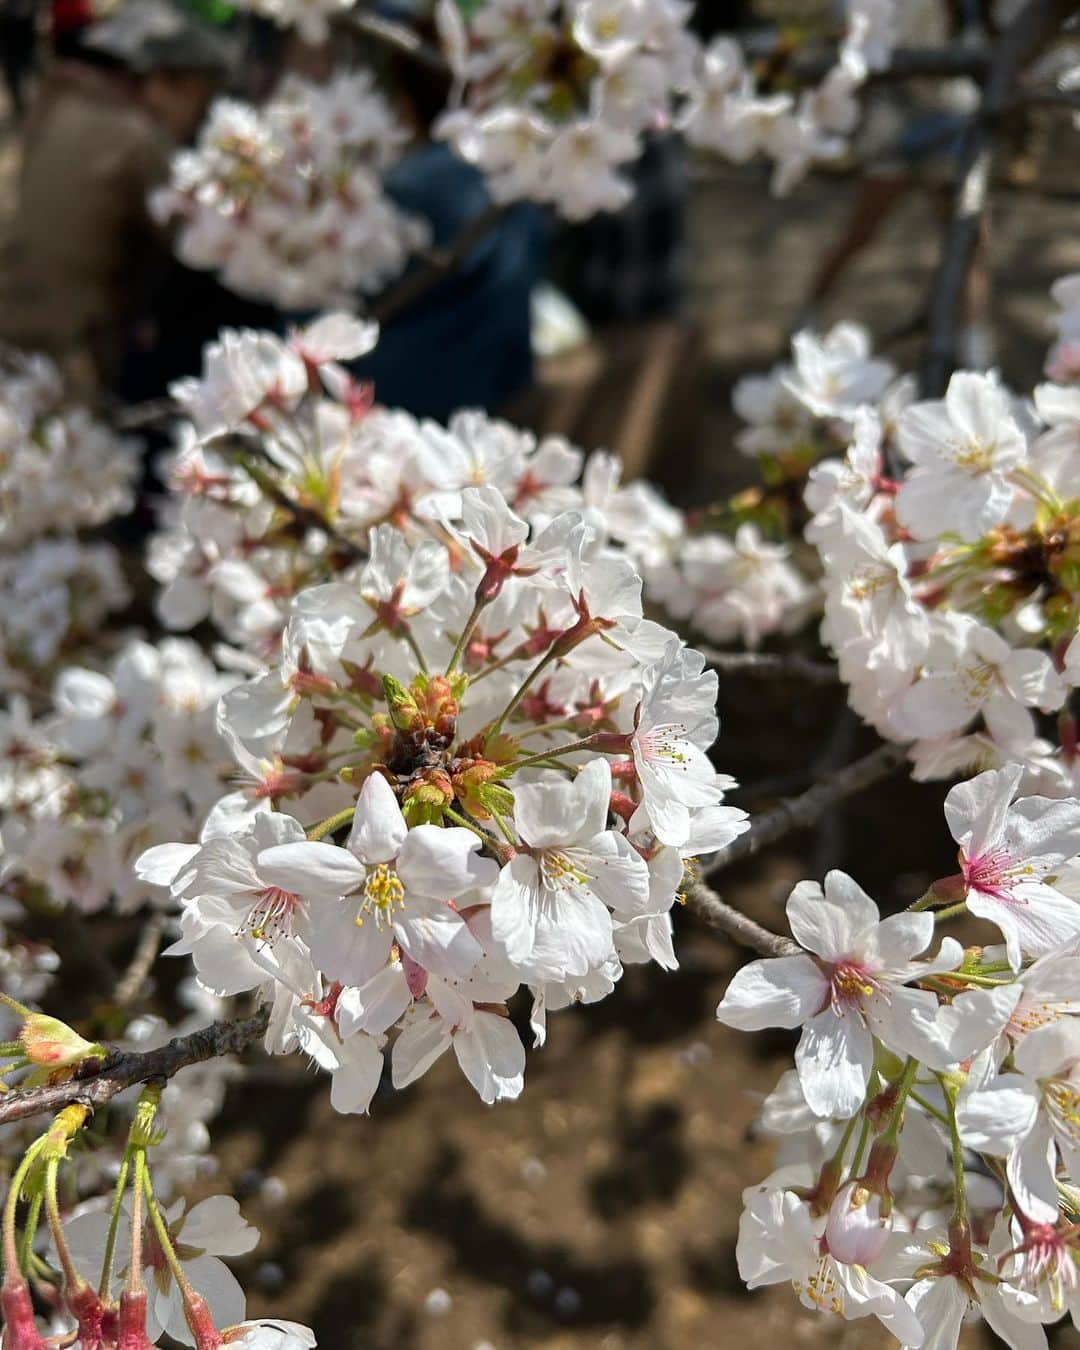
<point>50,1042</point>
<point>131,1330</point>
<point>20,1329</point>
<point>857,1231</point>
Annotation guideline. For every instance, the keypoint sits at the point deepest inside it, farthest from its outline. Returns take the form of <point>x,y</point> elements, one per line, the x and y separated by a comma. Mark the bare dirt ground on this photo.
<point>600,1211</point>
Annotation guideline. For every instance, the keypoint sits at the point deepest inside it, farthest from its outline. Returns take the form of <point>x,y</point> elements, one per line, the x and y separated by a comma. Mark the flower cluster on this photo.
<point>945,540</point>
<point>54,596</point>
<point>929,1131</point>
<point>555,98</point>
<point>743,574</point>
<point>950,542</point>
<point>124,757</point>
<point>727,112</point>
<point>468,762</point>
<point>286,201</point>
<point>473,766</point>
<point>61,471</point>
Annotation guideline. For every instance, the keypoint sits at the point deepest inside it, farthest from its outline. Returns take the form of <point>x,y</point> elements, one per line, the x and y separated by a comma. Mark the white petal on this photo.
<point>554,814</point>
<point>1030,1169</point>
<point>378,828</point>
<point>515,903</point>
<point>216,1226</point>
<point>781,992</point>
<point>313,870</point>
<point>834,1058</point>
<point>492,1057</point>
<point>827,922</point>
<point>417,1049</point>
<point>993,1118</point>
<point>439,939</point>
<point>940,1306</point>
<point>356,1079</point>
<point>443,863</point>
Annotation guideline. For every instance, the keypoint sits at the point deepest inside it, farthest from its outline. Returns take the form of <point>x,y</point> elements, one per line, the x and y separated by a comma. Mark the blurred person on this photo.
<point>18,50</point>
<point>82,250</point>
<point>633,264</point>
<point>465,341</point>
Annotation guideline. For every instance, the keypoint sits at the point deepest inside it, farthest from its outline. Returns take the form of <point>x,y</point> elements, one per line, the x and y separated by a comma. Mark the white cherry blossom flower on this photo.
<point>390,885</point>
<point>552,905</point>
<point>849,987</point>
<point>779,1241</point>
<point>1010,852</point>
<point>1031,1116</point>
<point>963,447</point>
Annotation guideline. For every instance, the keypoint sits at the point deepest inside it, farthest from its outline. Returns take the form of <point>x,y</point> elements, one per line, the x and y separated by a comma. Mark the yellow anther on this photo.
<point>383,893</point>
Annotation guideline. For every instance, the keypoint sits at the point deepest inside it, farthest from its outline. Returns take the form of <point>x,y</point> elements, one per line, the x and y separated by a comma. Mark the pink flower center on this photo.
<point>995,873</point>
<point>1046,1256</point>
<point>850,984</point>
<point>272,914</point>
<point>664,744</point>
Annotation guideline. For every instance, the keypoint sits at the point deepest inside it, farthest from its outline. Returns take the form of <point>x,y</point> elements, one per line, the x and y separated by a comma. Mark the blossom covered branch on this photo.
<point>96,1081</point>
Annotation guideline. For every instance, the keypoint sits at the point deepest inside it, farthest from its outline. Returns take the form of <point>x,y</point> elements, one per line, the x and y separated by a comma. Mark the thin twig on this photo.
<point>707,905</point>
<point>906,63</point>
<point>150,413</point>
<point>799,813</point>
<point>142,962</point>
<point>97,1082</point>
<point>400,38</point>
<point>771,665</point>
<point>305,516</point>
<point>438,266</point>
<point>1033,27</point>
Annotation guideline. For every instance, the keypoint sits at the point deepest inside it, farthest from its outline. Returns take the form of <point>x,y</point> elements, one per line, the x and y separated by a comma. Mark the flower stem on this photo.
<point>960,1212</point>
<point>951,912</point>
<point>504,829</point>
<point>406,632</point>
<point>466,633</point>
<point>903,1088</point>
<point>331,824</point>
<point>134,1283</point>
<point>30,1231</point>
<point>56,1225</point>
<point>114,1225</point>
<point>522,690</point>
<point>162,1231</point>
<point>11,1250</point>
<point>586,743</point>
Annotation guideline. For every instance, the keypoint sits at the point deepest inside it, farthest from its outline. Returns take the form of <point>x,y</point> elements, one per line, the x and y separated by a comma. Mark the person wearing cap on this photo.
<point>81,251</point>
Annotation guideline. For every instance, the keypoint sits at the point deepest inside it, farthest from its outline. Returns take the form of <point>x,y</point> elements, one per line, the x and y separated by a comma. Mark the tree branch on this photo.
<point>146,951</point>
<point>437,267</point>
<point>97,1082</point>
<point>706,904</point>
<point>305,516</point>
<point>907,63</point>
<point>400,38</point>
<point>1033,27</point>
<point>799,813</point>
<point>770,665</point>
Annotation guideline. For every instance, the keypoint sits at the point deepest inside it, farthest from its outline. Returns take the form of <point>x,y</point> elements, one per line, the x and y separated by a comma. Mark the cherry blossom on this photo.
<point>848,987</point>
<point>1009,854</point>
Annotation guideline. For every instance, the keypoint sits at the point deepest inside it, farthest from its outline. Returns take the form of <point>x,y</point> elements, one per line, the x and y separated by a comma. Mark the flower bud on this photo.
<point>20,1329</point>
<point>131,1329</point>
<point>857,1231</point>
<point>52,1043</point>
